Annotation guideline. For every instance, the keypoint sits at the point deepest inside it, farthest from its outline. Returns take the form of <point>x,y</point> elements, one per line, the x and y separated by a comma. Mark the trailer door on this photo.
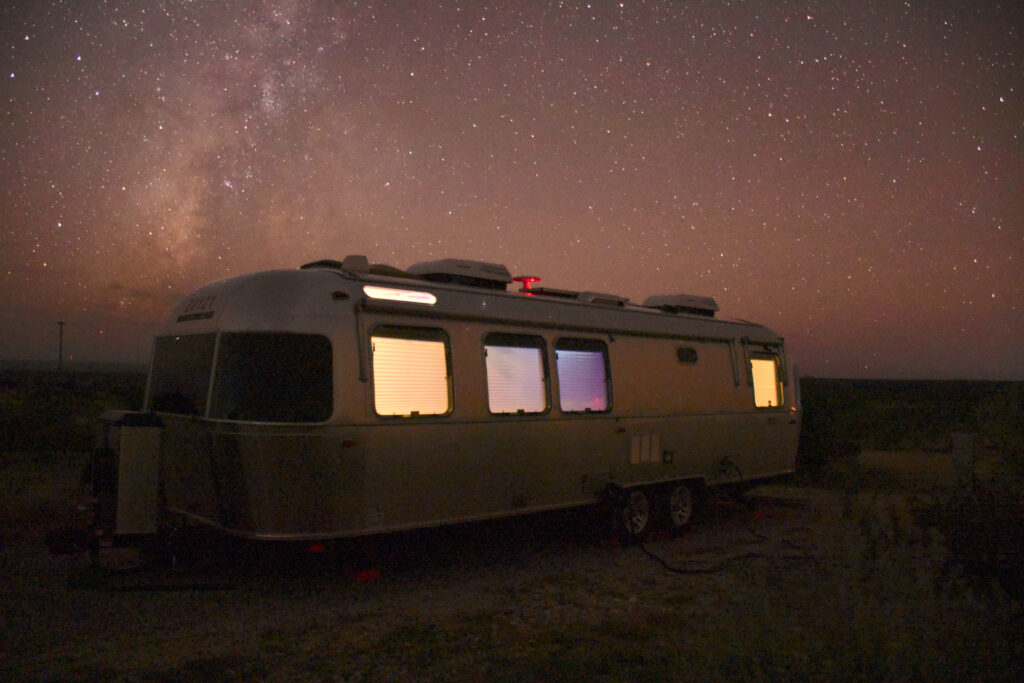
<point>774,428</point>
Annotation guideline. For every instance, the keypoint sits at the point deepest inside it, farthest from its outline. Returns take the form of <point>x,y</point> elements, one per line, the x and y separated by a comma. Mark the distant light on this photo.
<point>404,295</point>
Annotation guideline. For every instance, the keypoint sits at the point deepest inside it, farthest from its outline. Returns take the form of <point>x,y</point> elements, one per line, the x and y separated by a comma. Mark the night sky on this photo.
<point>848,173</point>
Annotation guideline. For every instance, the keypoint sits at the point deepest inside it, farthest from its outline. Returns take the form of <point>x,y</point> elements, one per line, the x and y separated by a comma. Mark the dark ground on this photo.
<point>875,562</point>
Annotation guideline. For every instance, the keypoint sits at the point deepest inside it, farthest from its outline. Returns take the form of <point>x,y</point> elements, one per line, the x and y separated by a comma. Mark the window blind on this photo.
<point>767,390</point>
<point>409,376</point>
<point>515,379</point>
<point>581,380</point>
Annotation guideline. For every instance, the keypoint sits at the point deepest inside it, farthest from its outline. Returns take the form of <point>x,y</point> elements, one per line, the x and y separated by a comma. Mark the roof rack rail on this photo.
<point>550,291</point>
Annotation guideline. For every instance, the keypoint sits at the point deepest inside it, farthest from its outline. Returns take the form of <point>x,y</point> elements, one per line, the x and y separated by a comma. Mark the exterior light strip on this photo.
<point>408,296</point>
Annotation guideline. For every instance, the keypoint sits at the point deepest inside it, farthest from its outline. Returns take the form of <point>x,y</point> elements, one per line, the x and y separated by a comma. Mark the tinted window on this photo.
<point>273,377</point>
<point>180,377</point>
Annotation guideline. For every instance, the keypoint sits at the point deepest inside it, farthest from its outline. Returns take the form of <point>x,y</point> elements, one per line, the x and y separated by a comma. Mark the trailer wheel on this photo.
<point>635,515</point>
<point>680,505</point>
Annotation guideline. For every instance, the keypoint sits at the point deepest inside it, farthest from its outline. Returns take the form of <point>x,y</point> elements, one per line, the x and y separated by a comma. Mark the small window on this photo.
<point>273,377</point>
<point>180,377</point>
<point>686,354</point>
<point>765,377</point>
<point>515,374</point>
<point>410,371</point>
<point>583,378</point>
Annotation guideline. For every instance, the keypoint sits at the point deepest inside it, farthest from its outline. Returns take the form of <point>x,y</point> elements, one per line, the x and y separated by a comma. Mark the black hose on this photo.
<point>711,569</point>
<point>719,566</point>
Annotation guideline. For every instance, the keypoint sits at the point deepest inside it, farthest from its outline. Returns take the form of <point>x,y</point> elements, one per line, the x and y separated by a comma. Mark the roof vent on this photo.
<point>602,299</point>
<point>322,263</point>
<point>356,263</point>
<point>460,272</point>
<point>683,303</point>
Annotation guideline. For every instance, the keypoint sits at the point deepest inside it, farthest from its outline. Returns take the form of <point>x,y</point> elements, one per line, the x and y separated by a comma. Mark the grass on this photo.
<point>880,600</point>
<point>37,490</point>
<point>909,575</point>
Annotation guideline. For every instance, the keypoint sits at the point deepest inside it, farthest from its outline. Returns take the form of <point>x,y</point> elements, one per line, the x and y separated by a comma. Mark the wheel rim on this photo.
<point>637,513</point>
<point>680,505</point>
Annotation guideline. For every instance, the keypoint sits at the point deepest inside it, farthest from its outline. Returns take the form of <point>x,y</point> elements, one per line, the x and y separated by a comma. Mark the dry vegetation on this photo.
<point>879,562</point>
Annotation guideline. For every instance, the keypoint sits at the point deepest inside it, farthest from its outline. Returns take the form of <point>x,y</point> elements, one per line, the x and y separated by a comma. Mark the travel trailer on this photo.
<point>347,398</point>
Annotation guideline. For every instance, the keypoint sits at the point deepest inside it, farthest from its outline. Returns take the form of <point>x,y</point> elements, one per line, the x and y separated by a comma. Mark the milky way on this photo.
<point>849,174</point>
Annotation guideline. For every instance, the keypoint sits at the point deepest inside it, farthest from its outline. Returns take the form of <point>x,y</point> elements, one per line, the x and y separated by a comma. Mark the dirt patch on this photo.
<point>789,581</point>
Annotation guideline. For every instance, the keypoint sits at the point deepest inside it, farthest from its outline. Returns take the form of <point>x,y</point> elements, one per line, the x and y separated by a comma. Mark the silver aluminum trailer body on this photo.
<point>335,401</point>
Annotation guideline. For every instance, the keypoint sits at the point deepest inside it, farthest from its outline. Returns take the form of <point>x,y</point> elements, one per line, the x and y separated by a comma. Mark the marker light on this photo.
<point>408,296</point>
<point>525,281</point>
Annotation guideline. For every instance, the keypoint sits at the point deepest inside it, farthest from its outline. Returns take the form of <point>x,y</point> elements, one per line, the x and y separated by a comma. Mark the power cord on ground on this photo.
<point>727,463</point>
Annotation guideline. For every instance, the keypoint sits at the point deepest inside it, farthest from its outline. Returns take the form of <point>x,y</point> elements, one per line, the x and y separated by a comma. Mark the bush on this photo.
<point>49,411</point>
<point>984,528</point>
<point>840,417</point>
<point>881,602</point>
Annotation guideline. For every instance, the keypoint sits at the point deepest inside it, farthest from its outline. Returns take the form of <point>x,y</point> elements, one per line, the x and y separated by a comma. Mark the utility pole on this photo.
<point>60,348</point>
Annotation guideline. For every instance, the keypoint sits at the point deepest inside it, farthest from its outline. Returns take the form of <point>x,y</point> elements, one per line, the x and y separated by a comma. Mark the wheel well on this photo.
<point>696,484</point>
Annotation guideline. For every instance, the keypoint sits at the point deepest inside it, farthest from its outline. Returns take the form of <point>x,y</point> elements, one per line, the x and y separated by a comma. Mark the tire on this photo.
<point>680,505</point>
<point>634,515</point>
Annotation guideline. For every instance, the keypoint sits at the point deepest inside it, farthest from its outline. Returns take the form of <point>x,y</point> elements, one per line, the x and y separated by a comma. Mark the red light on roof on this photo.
<point>525,281</point>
